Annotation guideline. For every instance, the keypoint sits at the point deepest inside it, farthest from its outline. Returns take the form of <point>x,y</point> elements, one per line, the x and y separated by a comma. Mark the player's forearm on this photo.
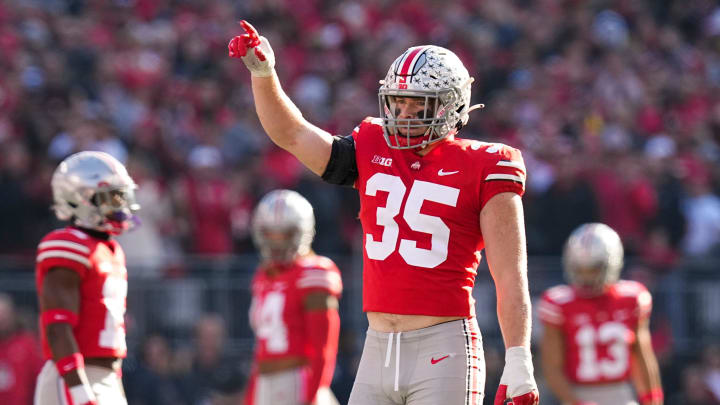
<point>513,308</point>
<point>646,374</point>
<point>279,116</point>
<point>63,344</point>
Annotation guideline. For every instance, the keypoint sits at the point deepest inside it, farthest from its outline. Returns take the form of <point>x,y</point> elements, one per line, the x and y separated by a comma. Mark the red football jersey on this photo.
<point>103,290</point>
<point>599,331</point>
<point>421,219</point>
<point>277,311</point>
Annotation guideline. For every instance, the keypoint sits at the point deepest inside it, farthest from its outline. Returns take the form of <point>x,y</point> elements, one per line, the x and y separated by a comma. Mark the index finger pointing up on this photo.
<point>249,28</point>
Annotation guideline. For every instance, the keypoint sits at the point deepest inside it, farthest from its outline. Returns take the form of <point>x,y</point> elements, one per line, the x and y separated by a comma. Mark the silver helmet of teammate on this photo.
<point>439,77</point>
<point>593,256</point>
<point>283,226</point>
<point>93,190</point>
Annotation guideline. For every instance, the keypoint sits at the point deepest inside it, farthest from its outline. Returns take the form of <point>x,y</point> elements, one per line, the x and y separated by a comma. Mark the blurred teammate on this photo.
<point>430,203</point>
<point>294,310</point>
<point>82,283</point>
<point>596,338</point>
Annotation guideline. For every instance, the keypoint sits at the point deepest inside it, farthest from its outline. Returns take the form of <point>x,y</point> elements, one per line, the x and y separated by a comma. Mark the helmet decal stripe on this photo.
<point>407,64</point>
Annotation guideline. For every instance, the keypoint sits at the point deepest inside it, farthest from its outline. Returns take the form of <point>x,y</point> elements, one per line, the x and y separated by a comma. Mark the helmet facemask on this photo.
<point>436,118</point>
<point>117,207</point>
<point>280,246</point>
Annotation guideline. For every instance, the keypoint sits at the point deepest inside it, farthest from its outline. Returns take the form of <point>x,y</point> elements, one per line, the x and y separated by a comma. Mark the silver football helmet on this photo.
<point>283,226</point>
<point>94,191</point>
<point>435,74</point>
<point>593,257</point>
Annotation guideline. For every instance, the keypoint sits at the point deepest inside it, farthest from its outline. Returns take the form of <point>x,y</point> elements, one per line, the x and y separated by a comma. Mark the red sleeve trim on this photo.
<point>320,280</point>
<point>494,188</point>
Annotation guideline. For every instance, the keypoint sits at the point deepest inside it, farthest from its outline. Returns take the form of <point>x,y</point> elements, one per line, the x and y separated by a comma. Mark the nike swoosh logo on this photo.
<point>442,173</point>
<point>435,361</point>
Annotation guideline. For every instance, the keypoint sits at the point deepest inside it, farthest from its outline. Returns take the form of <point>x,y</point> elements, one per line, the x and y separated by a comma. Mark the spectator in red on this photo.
<point>20,358</point>
<point>205,197</point>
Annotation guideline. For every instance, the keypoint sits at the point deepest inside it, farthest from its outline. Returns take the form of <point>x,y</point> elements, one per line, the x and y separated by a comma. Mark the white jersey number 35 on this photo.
<point>419,192</point>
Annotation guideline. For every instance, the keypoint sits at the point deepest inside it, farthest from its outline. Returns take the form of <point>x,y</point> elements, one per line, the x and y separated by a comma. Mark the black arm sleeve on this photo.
<point>342,166</point>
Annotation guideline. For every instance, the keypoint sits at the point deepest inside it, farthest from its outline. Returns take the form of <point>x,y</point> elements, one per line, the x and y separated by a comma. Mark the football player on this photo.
<point>294,310</point>
<point>596,339</point>
<point>430,202</point>
<point>81,282</point>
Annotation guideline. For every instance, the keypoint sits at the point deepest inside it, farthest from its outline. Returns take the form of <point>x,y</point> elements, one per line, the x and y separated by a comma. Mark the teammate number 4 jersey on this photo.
<point>100,263</point>
<point>598,331</point>
<point>421,219</point>
<point>277,310</point>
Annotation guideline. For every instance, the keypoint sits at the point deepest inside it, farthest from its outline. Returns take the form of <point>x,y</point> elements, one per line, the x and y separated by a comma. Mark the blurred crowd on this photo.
<point>614,104</point>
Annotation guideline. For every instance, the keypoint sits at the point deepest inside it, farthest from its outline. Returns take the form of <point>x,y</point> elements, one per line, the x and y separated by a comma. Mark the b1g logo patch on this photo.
<point>382,161</point>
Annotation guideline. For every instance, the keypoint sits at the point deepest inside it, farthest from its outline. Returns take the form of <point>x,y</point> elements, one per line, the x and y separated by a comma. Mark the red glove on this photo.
<point>517,384</point>
<point>530,398</point>
<point>261,61</point>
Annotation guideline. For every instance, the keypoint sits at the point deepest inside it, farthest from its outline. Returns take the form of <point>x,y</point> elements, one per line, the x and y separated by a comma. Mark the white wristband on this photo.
<point>518,372</point>
<point>518,353</point>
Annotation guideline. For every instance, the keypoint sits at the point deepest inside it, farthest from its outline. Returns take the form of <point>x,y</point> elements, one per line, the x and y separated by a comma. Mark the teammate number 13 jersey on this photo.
<point>421,219</point>
<point>599,331</point>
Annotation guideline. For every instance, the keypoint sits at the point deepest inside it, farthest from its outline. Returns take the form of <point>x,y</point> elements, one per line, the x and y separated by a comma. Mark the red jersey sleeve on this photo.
<point>550,309</point>
<point>64,248</point>
<point>322,275</point>
<point>642,300</point>
<point>503,171</point>
<point>550,312</point>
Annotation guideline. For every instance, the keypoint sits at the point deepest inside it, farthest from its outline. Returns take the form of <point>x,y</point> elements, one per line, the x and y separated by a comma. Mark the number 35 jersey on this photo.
<point>277,312</point>
<point>599,331</point>
<point>420,216</point>
<point>100,263</point>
